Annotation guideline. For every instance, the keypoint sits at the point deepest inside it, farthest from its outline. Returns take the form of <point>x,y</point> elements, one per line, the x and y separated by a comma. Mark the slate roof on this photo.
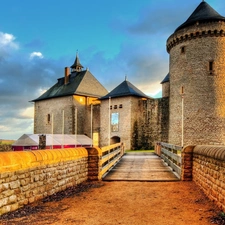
<point>80,83</point>
<point>125,89</point>
<point>204,12</point>
<point>166,79</point>
<point>76,63</point>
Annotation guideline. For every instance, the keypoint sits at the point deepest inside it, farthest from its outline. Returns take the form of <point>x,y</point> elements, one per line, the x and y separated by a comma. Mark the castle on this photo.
<point>191,110</point>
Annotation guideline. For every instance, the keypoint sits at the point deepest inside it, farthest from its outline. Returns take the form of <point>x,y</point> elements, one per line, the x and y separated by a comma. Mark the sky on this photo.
<point>114,39</point>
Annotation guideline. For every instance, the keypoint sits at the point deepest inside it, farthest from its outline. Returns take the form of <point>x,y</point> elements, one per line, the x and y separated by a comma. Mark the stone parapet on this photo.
<point>205,165</point>
<point>26,177</point>
<point>209,172</point>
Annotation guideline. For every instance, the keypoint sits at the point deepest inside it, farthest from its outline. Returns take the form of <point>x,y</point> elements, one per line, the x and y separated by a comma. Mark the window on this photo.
<point>211,67</point>
<point>114,122</point>
<point>183,49</point>
<point>115,106</point>
<point>182,90</point>
<point>120,106</point>
<point>48,118</point>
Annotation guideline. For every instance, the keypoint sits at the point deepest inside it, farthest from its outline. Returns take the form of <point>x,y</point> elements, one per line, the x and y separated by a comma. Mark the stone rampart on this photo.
<point>206,166</point>
<point>26,177</point>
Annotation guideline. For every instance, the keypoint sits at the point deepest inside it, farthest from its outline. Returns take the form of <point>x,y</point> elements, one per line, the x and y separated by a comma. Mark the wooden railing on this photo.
<point>171,154</point>
<point>110,156</point>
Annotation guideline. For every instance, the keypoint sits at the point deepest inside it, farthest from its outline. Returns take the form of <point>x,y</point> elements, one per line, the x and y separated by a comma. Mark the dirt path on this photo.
<point>125,203</point>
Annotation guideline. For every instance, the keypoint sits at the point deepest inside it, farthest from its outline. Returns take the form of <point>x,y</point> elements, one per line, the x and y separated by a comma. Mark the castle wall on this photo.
<point>49,115</point>
<point>203,85</point>
<point>77,115</point>
<point>166,89</point>
<point>152,123</point>
<point>123,106</point>
<point>141,121</point>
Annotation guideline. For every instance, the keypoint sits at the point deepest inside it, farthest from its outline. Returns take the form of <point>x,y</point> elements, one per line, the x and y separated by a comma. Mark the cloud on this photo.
<point>7,45</point>
<point>144,63</point>
<point>7,40</point>
<point>22,80</point>
<point>36,54</point>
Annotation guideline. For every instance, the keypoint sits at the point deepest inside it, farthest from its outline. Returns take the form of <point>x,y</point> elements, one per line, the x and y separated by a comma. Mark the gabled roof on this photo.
<point>166,79</point>
<point>125,89</point>
<point>204,12</point>
<point>80,83</point>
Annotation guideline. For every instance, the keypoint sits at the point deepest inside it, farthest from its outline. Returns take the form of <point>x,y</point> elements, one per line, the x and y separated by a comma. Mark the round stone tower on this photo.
<point>197,79</point>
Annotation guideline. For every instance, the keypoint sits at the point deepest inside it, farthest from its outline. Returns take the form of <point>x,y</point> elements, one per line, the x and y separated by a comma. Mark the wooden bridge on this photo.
<point>141,167</point>
<point>145,166</point>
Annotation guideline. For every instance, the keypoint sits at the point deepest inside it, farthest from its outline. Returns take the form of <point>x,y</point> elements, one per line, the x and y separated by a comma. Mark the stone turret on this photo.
<point>197,79</point>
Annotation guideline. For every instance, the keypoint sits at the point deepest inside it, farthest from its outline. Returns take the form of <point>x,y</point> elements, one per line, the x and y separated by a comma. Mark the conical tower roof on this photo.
<point>76,65</point>
<point>204,12</point>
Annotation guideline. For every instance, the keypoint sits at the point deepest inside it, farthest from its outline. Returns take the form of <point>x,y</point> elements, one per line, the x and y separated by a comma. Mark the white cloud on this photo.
<point>36,54</point>
<point>28,113</point>
<point>7,40</point>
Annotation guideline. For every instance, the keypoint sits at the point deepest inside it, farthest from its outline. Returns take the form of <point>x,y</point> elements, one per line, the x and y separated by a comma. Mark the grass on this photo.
<point>6,142</point>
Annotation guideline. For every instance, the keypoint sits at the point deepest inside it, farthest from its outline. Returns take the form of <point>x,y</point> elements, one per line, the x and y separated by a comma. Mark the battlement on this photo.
<point>207,29</point>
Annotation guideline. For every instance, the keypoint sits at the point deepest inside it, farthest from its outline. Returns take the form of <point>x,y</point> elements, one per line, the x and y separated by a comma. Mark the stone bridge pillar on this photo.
<point>94,165</point>
<point>187,163</point>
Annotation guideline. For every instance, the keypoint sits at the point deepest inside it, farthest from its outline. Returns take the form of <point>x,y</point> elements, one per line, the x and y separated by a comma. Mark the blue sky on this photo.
<point>114,39</point>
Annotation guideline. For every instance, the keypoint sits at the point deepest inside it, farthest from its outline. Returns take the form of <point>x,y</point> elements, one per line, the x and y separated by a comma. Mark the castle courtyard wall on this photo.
<point>123,106</point>
<point>81,116</point>
<point>142,121</point>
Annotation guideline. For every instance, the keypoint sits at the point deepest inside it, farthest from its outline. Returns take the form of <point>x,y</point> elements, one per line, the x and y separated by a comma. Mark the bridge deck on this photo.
<point>141,167</point>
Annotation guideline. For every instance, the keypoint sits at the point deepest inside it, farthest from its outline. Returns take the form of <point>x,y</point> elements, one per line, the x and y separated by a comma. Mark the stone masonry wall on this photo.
<point>122,106</point>
<point>205,165</point>
<point>141,121</point>
<point>192,50</point>
<point>209,172</point>
<point>77,112</point>
<point>54,108</point>
<point>26,177</point>
<point>152,123</point>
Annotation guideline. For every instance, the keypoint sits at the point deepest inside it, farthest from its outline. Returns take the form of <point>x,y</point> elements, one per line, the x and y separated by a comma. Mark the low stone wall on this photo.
<point>206,166</point>
<point>26,177</point>
<point>5,148</point>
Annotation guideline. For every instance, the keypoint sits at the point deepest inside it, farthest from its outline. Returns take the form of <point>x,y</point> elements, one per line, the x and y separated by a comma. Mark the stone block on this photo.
<point>14,184</point>
<point>12,199</point>
<point>4,201</point>
<point>14,206</point>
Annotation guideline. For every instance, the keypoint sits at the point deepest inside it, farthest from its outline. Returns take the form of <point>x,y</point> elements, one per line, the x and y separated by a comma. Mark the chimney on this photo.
<point>67,73</point>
